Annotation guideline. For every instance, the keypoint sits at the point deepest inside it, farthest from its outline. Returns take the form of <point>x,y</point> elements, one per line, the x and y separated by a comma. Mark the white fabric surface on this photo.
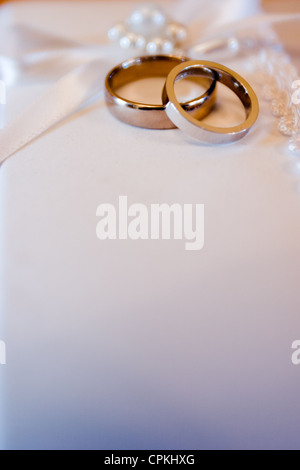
<point>131,345</point>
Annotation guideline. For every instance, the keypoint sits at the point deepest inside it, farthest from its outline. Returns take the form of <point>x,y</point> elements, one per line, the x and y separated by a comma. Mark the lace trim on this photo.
<point>277,76</point>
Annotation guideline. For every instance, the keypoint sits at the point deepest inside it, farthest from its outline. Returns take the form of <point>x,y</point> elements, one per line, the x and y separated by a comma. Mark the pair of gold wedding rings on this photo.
<point>171,113</point>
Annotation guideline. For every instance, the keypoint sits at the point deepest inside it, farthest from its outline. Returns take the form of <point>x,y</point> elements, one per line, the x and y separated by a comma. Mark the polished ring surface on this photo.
<point>153,116</point>
<point>200,130</point>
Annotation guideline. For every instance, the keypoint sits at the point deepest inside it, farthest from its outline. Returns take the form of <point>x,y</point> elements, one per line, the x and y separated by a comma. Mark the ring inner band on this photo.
<point>226,79</point>
<point>149,115</point>
<point>201,130</point>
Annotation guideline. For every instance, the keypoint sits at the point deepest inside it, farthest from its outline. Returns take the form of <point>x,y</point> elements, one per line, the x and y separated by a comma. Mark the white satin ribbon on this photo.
<point>59,101</point>
<point>28,51</point>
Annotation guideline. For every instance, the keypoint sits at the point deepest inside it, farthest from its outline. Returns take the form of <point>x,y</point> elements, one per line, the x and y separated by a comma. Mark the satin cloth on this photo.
<point>140,344</point>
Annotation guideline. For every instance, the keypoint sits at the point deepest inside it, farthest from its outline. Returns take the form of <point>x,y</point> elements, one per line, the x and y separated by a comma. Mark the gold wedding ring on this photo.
<point>154,116</point>
<point>194,127</point>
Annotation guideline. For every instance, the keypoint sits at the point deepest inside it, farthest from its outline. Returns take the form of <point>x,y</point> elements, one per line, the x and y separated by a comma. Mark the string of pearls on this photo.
<point>149,30</point>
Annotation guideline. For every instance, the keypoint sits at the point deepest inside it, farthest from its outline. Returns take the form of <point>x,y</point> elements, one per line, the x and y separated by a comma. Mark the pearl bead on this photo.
<point>176,32</point>
<point>151,48</point>
<point>172,30</point>
<point>158,18</point>
<point>136,18</point>
<point>140,43</point>
<point>181,34</point>
<point>234,45</point>
<point>155,46</point>
<point>167,47</point>
<point>128,41</point>
<point>115,33</point>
